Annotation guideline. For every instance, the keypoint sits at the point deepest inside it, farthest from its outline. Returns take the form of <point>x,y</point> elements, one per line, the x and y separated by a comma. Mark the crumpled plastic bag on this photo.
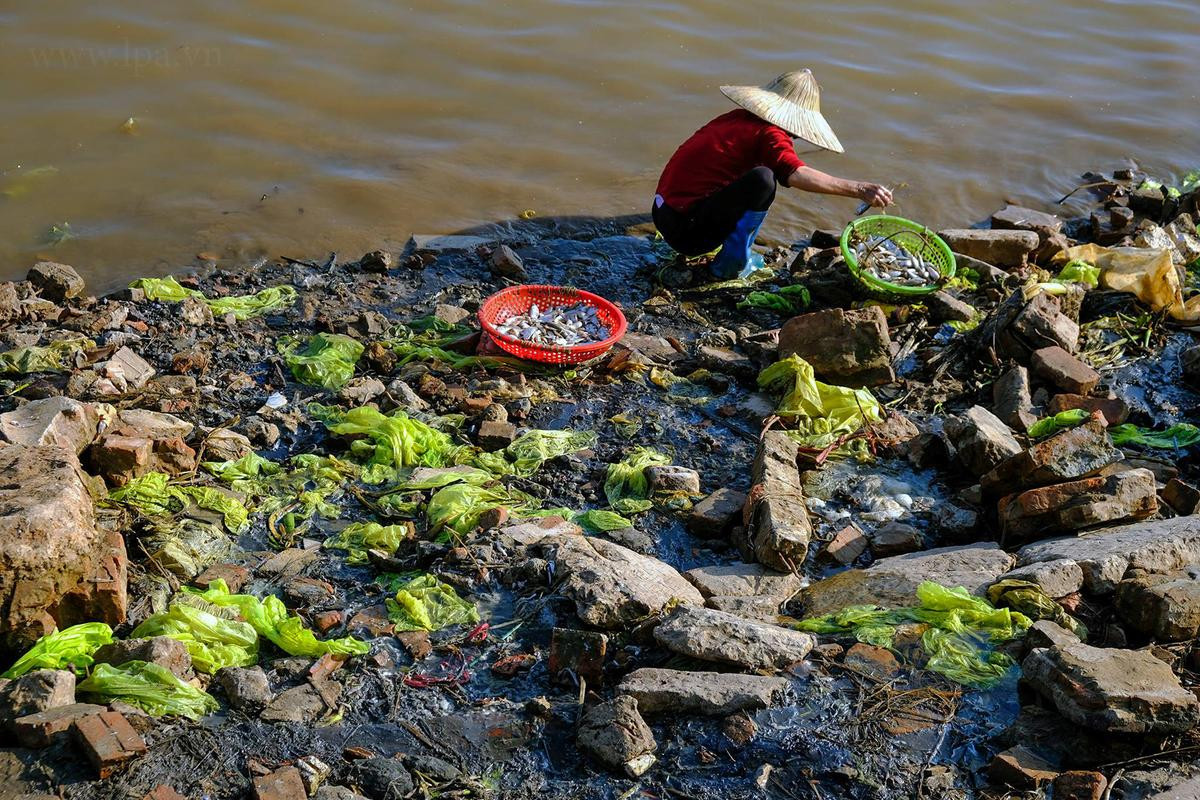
<point>1176,437</point>
<point>626,486</point>
<point>394,441</point>
<point>153,494</point>
<point>822,413</point>
<point>243,307</point>
<point>151,687</point>
<point>459,506</point>
<point>1080,272</point>
<point>1147,273</point>
<point>959,641</point>
<point>426,604</point>
<point>69,647</point>
<point>306,487</point>
<point>326,360</point>
<point>269,617</point>
<point>54,357</point>
<point>213,641</point>
<point>359,537</point>
<point>1046,426</point>
<point>1028,598</point>
<point>534,448</point>
<point>600,520</point>
<point>186,547</point>
<point>784,300</point>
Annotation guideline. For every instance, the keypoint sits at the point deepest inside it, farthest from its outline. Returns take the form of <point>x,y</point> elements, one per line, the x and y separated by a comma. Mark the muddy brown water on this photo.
<point>271,127</point>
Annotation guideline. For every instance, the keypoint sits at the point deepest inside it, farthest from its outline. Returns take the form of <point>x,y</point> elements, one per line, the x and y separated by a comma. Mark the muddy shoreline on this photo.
<point>691,611</point>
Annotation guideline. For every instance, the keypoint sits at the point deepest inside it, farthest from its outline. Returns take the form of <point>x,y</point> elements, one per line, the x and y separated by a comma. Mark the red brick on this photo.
<point>875,661</point>
<point>234,576</point>
<point>1021,768</point>
<point>120,459</point>
<point>846,545</point>
<point>40,729</point>
<point>328,620</point>
<point>282,784</point>
<point>326,665</point>
<point>1080,785</point>
<point>1114,409</point>
<point>108,740</point>
<point>1055,365</point>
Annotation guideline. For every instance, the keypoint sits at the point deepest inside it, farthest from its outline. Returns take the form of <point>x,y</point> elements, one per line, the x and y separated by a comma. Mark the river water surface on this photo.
<point>296,127</point>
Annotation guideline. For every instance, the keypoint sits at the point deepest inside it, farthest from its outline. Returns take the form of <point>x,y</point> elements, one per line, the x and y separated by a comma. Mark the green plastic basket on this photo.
<point>913,237</point>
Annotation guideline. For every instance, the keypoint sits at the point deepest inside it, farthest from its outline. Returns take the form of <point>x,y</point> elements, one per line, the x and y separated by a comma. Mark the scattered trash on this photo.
<point>152,688</point>
<point>424,603</point>
<point>69,648</point>
<point>326,360</point>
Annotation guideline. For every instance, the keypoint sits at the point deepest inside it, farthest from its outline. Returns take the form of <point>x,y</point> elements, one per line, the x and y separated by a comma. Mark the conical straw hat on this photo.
<point>793,102</point>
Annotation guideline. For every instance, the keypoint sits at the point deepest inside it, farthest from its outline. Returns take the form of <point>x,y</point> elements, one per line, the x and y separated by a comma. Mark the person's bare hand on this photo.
<point>875,195</point>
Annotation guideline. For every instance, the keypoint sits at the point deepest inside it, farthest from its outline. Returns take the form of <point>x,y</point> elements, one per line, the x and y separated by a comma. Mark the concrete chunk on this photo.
<point>743,580</point>
<point>848,347</point>
<point>713,516</point>
<point>661,691</point>
<point>711,635</point>
<point>981,439</point>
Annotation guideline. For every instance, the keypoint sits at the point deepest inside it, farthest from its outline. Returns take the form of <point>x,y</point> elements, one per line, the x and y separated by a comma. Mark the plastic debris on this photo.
<point>1046,426</point>
<point>212,640</point>
<point>154,495</point>
<point>243,307</point>
<point>269,617</point>
<point>600,520</point>
<point>626,486</point>
<point>785,299</point>
<point>824,416</point>
<point>459,506</point>
<point>69,648</point>
<point>1177,436</point>
<point>1147,273</point>
<point>1079,271</point>
<point>152,688</point>
<point>424,603</point>
<point>1028,598</point>
<point>359,537</point>
<point>392,442</point>
<point>185,547</point>
<point>534,448</point>
<point>54,357</point>
<point>326,360</point>
<point>959,641</point>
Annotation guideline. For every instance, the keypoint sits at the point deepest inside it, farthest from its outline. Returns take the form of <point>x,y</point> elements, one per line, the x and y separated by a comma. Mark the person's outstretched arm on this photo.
<point>813,180</point>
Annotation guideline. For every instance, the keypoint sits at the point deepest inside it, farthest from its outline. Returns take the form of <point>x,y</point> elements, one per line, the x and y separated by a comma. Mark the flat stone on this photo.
<point>1166,606</point>
<point>360,391</point>
<point>743,580</point>
<point>760,609</point>
<point>1058,367</point>
<point>282,784</point>
<point>451,315</point>
<point>162,650</point>
<point>1066,456</point>
<point>60,421</point>
<point>134,370</point>
<point>1003,248</point>
<point>36,691</point>
<point>1039,323</point>
<point>726,361</point>
<point>895,539</point>
<point>1105,556</point>
<point>1077,505</point>
<point>892,582</point>
<point>1021,768</point>
<point>1056,578</point>
<point>780,529</point>
<point>672,479</point>
<point>657,349</point>
<point>614,733</point>
<point>981,439</point>
<point>1111,690</point>
<point>1045,633</point>
<point>715,515</point>
<point>711,635</point>
<point>878,662</point>
<point>1019,218</point>
<point>945,307</point>
<point>154,424</point>
<point>1187,790</point>
<point>1011,400</point>
<point>714,694</point>
<point>1114,409</point>
<point>850,347</point>
<point>304,703</point>
<point>612,585</point>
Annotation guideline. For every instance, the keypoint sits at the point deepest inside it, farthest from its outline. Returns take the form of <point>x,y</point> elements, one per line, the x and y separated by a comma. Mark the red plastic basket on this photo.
<point>517,300</point>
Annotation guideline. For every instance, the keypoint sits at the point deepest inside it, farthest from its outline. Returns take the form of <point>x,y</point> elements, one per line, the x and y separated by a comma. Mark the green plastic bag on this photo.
<point>326,360</point>
<point>269,617</point>
<point>73,646</point>
<point>395,441</point>
<point>823,414</point>
<point>242,307</point>
<point>1175,437</point>
<point>601,521</point>
<point>152,688</point>
<point>213,641</point>
<point>1061,421</point>
<point>626,486</point>
<point>54,357</point>
<point>185,547</point>
<point>534,448</point>
<point>785,300</point>
<point>459,506</point>
<point>1028,598</point>
<point>154,495</point>
<point>426,604</point>
<point>306,487</point>
<point>959,642</point>
<point>359,537</point>
<point>1080,271</point>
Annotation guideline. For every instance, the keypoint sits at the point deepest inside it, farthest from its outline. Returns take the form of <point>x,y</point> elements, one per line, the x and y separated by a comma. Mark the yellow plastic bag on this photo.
<point>1149,274</point>
<point>823,413</point>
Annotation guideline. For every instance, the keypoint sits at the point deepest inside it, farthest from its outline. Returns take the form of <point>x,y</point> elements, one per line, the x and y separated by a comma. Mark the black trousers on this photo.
<point>709,222</point>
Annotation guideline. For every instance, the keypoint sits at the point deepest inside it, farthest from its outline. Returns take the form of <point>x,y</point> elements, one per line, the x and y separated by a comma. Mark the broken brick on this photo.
<point>282,784</point>
<point>1058,367</point>
<point>235,576</point>
<point>846,545</point>
<point>42,728</point>
<point>108,740</point>
<point>1021,768</point>
<point>580,652</point>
